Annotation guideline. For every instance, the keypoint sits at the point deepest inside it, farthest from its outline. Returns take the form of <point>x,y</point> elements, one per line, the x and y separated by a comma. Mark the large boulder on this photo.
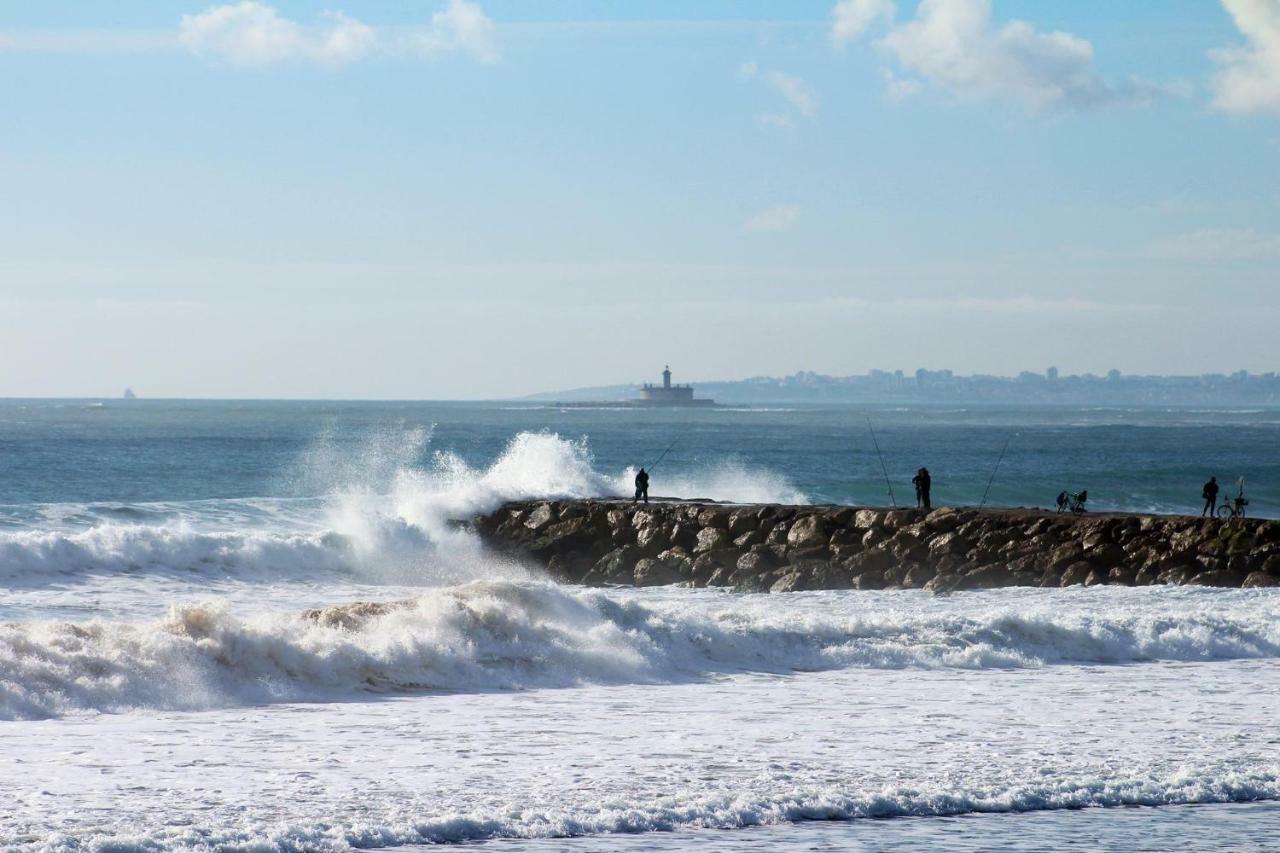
<point>1259,580</point>
<point>710,539</point>
<point>715,516</point>
<point>743,520</point>
<point>1076,573</point>
<point>652,540</point>
<point>867,519</point>
<point>1217,578</point>
<point>791,581</point>
<point>808,531</point>
<point>653,572</point>
<point>618,566</point>
<point>756,562</point>
<point>541,516</point>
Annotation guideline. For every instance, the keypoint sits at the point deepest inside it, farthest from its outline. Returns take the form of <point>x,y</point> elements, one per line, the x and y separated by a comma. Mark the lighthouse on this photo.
<point>668,394</point>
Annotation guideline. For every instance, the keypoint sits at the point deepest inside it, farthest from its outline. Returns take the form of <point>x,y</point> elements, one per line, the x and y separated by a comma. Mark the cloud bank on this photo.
<point>1248,79</point>
<point>956,46</point>
<point>251,33</point>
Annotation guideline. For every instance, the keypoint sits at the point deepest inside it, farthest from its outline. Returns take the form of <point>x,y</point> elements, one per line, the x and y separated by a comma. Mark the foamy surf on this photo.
<point>516,635</point>
<point>379,517</point>
<point>768,801</point>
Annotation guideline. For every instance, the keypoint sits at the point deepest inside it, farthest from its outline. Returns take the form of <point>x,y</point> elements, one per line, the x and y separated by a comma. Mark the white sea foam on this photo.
<point>762,802</point>
<point>381,517</point>
<point>513,635</point>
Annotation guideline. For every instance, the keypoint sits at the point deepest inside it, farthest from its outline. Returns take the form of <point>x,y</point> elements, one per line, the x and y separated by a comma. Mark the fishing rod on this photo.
<point>664,453</point>
<point>992,479</point>
<point>893,500</point>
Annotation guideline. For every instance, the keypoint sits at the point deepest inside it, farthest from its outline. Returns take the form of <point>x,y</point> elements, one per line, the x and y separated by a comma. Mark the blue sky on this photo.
<point>460,200</point>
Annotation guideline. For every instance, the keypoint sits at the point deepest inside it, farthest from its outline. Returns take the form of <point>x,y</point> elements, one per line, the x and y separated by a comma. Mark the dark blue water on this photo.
<point>1137,459</point>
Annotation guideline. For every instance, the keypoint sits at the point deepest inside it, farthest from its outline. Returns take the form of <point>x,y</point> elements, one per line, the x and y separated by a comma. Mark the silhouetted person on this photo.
<point>1210,495</point>
<point>923,482</point>
<point>642,487</point>
<point>1063,500</point>
<point>1082,499</point>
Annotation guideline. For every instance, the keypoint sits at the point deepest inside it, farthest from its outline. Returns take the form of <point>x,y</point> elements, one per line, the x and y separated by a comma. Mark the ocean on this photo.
<point>161,689</point>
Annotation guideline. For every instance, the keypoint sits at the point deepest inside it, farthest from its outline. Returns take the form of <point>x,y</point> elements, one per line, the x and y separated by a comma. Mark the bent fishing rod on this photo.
<point>893,500</point>
<point>992,479</point>
<point>673,443</point>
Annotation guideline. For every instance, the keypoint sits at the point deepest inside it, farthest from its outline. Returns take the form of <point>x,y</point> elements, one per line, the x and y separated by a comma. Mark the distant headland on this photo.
<point>664,396</point>
<point>943,386</point>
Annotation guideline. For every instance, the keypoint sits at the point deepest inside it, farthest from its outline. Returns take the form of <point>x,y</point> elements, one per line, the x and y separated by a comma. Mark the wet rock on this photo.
<point>652,540</point>
<point>756,562</point>
<point>867,518</point>
<point>1076,573</point>
<point>710,539</point>
<point>653,572</point>
<point>1217,578</point>
<point>869,580</point>
<point>714,517</point>
<point>618,566</point>
<point>808,531</point>
<point>792,581</point>
<point>1260,579</point>
<point>743,520</point>
<point>918,576</point>
<point>541,516</point>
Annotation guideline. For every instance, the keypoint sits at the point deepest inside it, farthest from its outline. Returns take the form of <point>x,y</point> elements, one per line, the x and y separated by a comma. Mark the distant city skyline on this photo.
<point>478,200</point>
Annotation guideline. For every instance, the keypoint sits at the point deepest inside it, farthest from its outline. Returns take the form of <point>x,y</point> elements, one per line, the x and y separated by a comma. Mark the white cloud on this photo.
<point>1249,78</point>
<point>461,26</point>
<point>253,33</point>
<point>796,92</point>
<point>778,218</point>
<point>899,88</point>
<point>851,18</point>
<point>1216,244</point>
<point>954,44</point>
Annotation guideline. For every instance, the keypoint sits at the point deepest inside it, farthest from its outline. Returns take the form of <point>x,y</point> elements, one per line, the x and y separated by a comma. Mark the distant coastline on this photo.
<point>1239,389</point>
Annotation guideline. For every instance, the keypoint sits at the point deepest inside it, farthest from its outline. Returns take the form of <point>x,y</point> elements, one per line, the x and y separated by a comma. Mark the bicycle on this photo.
<point>1234,508</point>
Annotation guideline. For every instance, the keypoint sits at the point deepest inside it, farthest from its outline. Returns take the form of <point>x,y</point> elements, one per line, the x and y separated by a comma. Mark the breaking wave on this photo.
<point>502,635</point>
<point>381,516</point>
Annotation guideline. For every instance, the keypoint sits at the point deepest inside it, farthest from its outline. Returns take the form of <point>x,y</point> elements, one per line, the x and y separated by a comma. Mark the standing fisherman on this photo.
<point>923,483</point>
<point>1210,495</point>
<point>642,487</point>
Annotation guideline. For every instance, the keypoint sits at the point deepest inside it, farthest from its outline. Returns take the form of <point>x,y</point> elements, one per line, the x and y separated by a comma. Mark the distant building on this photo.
<point>667,394</point>
<point>1051,374</point>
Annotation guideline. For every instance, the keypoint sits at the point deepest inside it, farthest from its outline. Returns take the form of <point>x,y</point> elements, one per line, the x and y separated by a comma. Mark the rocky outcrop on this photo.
<point>783,548</point>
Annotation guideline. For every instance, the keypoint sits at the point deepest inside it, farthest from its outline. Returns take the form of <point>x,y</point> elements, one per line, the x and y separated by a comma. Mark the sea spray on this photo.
<point>381,517</point>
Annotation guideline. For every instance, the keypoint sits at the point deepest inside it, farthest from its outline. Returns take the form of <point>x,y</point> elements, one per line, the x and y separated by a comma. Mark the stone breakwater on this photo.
<point>782,548</point>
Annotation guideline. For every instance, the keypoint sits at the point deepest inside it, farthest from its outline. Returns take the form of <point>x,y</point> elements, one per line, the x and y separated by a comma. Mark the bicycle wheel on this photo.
<point>1224,511</point>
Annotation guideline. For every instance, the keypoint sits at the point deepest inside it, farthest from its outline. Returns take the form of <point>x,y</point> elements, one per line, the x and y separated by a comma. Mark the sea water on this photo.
<point>160,687</point>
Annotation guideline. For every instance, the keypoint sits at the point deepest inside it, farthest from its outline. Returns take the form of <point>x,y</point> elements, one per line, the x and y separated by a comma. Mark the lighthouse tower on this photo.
<point>667,394</point>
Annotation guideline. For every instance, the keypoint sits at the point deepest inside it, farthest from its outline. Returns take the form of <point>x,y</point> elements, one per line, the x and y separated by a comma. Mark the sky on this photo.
<point>462,200</point>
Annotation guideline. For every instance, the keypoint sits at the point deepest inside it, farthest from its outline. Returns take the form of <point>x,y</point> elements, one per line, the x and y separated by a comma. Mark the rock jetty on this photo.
<point>777,548</point>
